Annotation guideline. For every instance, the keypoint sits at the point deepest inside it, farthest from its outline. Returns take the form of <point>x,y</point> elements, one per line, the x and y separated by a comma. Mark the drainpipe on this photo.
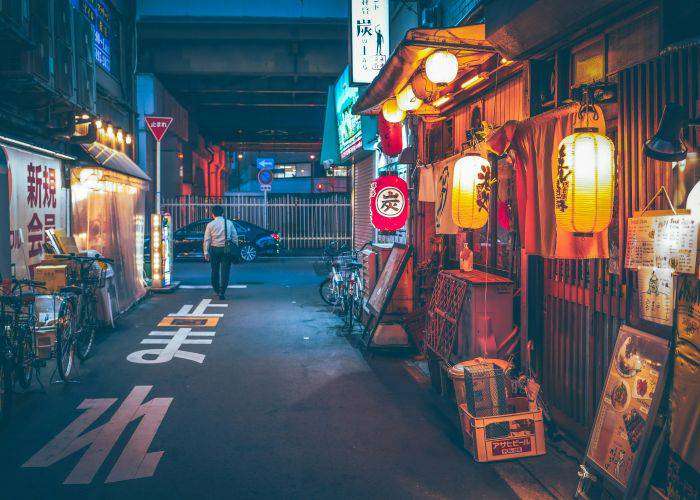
<point>209,187</point>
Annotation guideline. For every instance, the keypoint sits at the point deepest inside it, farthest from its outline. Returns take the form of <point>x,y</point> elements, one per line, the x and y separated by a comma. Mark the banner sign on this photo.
<point>369,39</point>
<point>349,125</point>
<point>443,173</point>
<point>388,203</point>
<point>38,202</point>
<point>158,125</point>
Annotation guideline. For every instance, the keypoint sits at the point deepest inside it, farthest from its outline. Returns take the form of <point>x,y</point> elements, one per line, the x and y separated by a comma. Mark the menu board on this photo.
<point>666,241</point>
<point>628,406</point>
<point>656,295</point>
<point>388,279</point>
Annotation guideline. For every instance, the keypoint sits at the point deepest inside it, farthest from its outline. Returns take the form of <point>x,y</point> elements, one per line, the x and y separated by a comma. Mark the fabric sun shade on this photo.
<point>468,43</point>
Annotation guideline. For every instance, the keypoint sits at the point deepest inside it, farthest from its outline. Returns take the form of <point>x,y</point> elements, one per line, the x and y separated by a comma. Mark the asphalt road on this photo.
<point>274,404</point>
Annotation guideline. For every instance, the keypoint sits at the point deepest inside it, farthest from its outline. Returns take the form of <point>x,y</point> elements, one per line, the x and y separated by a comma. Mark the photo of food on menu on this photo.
<point>630,388</point>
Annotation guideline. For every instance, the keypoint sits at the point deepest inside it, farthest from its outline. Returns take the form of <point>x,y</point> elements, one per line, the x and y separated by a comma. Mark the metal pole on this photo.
<point>158,177</point>
<point>265,212</point>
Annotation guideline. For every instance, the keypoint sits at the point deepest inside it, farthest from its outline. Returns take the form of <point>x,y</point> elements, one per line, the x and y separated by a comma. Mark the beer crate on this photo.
<point>524,436</point>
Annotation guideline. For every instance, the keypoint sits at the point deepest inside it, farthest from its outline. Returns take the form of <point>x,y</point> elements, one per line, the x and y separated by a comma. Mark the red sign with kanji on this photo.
<point>388,203</point>
<point>158,125</point>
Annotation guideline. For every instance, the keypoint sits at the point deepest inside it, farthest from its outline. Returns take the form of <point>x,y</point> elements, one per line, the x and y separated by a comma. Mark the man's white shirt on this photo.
<point>214,234</point>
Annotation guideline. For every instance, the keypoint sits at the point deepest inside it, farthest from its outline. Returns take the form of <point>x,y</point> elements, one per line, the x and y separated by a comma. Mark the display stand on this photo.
<point>384,289</point>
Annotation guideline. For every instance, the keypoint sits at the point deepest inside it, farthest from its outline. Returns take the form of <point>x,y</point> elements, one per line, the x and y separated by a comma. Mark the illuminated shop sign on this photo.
<point>99,13</point>
<point>369,39</point>
<point>349,125</point>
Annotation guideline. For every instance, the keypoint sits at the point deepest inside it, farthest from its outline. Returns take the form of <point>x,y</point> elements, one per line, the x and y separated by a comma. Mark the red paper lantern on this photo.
<point>391,137</point>
<point>388,203</point>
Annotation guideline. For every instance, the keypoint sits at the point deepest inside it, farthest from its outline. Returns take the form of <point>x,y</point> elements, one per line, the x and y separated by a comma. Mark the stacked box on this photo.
<point>485,389</point>
<point>55,276</point>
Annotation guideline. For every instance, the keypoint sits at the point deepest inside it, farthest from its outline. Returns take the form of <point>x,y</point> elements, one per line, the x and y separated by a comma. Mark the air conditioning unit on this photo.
<point>85,85</point>
<point>14,21</point>
<point>63,69</point>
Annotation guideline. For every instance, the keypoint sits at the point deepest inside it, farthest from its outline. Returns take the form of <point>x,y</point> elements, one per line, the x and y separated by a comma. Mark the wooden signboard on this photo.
<point>662,239</point>
<point>383,290</point>
<point>627,410</point>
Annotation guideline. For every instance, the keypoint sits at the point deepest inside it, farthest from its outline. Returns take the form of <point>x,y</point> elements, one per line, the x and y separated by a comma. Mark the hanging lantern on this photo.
<point>441,67</point>
<point>390,136</point>
<point>407,99</point>
<point>471,190</point>
<point>388,203</point>
<point>392,112</point>
<point>424,89</point>
<point>584,182</point>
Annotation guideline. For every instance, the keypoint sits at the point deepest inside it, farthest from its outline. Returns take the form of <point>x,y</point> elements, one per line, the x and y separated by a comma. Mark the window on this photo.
<point>292,170</point>
<point>588,63</point>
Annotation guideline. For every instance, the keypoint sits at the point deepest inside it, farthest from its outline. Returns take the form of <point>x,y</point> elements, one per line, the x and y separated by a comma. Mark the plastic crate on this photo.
<point>485,389</point>
<point>44,343</point>
<point>524,436</point>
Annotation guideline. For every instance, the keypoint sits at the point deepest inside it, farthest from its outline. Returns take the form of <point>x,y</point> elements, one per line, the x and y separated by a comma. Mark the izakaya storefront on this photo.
<point>571,271</point>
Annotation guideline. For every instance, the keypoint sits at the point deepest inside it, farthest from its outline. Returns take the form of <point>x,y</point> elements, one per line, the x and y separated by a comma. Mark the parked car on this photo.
<point>252,240</point>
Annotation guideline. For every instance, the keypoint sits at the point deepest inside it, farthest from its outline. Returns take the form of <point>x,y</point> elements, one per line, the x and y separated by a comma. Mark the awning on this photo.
<point>468,43</point>
<point>114,160</point>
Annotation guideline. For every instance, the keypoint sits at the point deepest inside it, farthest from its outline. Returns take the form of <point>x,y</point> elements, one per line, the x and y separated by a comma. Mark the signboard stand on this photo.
<point>161,224</point>
<point>265,179</point>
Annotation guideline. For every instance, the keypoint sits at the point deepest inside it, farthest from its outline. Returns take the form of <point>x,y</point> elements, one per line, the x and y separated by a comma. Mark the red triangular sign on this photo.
<point>158,125</point>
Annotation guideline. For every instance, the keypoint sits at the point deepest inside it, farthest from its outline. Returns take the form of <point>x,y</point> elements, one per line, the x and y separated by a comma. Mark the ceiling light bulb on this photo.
<point>98,124</point>
<point>128,138</point>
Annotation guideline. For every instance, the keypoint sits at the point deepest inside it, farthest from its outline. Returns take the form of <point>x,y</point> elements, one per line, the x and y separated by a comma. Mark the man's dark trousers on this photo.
<point>220,269</point>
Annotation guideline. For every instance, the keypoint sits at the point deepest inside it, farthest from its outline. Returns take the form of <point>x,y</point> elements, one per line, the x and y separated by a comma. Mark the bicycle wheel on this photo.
<point>5,390</point>
<point>24,364</point>
<point>350,312</point>
<point>357,308</point>
<point>327,292</point>
<point>65,340</point>
<point>85,338</point>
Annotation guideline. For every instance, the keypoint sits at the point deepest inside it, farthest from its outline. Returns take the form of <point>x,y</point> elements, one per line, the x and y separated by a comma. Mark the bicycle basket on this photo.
<point>96,275</point>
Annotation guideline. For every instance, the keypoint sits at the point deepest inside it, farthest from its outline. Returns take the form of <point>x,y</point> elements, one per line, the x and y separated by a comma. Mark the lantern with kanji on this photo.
<point>471,189</point>
<point>584,182</point>
<point>388,203</point>
<point>390,136</point>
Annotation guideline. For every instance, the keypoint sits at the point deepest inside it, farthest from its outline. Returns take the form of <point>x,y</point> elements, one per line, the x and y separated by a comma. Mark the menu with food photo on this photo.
<point>628,404</point>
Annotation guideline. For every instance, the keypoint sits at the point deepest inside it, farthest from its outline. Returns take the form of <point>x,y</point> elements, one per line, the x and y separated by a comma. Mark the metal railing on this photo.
<point>303,221</point>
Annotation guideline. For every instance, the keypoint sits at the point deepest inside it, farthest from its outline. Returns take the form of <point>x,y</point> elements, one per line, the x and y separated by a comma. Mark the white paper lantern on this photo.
<point>392,112</point>
<point>407,99</point>
<point>441,67</point>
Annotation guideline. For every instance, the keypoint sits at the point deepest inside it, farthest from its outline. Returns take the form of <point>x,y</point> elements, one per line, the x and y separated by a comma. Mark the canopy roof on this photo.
<point>114,160</point>
<point>468,43</point>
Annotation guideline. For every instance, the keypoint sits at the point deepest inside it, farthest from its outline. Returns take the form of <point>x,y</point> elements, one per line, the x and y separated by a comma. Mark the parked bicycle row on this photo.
<point>343,288</point>
<point>53,317</point>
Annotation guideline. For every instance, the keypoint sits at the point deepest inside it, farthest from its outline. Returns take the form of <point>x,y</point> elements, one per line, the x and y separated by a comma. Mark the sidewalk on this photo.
<point>553,475</point>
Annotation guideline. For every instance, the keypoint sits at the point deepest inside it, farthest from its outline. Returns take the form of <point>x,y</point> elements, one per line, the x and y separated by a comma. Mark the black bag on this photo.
<point>231,250</point>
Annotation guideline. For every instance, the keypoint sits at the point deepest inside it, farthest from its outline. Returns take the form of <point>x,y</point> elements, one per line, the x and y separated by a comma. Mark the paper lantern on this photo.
<point>390,136</point>
<point>471,190</point>
<point>441,67</point>
<point>423,88</point>
<point>407,99</point>
<point>388,203</point>
<point>392,112</point>
<point>584,182</point>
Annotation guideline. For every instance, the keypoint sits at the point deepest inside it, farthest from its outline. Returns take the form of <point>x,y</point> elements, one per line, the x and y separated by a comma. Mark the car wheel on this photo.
<point>249,253</point>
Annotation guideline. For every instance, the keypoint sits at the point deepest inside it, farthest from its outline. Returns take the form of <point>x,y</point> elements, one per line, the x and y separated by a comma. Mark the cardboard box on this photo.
<point>44,343</point>
<point>56,276</point>
<point>524,437</point>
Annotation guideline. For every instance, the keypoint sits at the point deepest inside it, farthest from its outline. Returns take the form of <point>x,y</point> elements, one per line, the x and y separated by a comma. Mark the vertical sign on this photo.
<point>369,39</point>
<point>349,125</point>
<point>98,13</point>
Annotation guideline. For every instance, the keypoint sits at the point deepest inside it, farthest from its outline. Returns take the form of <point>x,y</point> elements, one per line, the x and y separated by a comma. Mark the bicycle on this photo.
<point>77,323</point>
<point>18,323</point>
<point>330,288</point>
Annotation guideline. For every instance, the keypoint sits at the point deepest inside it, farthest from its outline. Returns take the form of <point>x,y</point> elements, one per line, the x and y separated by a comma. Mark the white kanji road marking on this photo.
<point>179,337</point>
<point>135,460</point>
<point>187,310</point>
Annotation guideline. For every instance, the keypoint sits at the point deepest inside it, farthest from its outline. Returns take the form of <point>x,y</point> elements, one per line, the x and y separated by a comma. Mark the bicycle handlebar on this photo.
<point>27,282</point>
<point>83,258</point>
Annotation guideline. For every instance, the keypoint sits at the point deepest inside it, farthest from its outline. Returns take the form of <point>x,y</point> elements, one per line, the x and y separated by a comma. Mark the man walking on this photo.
<point>215,237</point>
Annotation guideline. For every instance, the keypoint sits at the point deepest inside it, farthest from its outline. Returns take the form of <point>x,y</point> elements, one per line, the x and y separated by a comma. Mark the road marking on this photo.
<point>189,321</point>
<point>208,287</point>
<point>134,462</point>
<point>179,337</point>
<point>190,310</point>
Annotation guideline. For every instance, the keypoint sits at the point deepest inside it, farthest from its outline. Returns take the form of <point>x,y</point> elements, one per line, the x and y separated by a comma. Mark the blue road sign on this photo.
<point>265,163</point>
<point>265,176</point>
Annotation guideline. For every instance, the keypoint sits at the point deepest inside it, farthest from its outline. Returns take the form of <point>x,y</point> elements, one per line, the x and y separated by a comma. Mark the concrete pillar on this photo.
<point>5,256</point>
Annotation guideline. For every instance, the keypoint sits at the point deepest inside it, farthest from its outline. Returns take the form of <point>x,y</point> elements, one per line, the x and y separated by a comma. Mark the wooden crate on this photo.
<point>518,434</point>
<point>44,343</point>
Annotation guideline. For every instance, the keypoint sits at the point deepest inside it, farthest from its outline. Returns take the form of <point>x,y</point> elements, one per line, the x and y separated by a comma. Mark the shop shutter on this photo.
<point>364,174</point>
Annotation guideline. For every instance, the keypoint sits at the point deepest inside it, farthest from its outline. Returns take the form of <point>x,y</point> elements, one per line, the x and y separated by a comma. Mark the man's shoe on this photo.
<point>222,296</point>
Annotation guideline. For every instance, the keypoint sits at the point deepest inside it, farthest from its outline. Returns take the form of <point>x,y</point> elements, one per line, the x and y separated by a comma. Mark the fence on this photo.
<point>303,221</point>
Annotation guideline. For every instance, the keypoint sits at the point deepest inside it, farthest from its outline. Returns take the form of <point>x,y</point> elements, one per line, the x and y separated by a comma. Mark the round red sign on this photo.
<point>388,203</point>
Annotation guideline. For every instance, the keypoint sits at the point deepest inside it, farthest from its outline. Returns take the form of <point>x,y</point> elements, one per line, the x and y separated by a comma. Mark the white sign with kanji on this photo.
<point>158,125</point>
<point>369,39</point>
<point>38,202</point>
